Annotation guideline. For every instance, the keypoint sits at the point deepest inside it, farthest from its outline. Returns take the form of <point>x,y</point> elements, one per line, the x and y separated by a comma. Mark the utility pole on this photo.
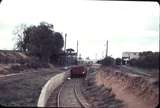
<point>102,54</point>
<point>96,56</point>
<point>77,48</point>
<point>66,58</point>
<point>65,42</point>
<point>107,48</point>
<point>77,51</point>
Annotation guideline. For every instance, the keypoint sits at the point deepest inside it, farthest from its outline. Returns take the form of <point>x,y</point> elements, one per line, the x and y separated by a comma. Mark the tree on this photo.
<point>147,59</point>
<point>107,61</point>
<point>18,31</point>
<point>41,41</point>
<point>87,58</point>
<point>118,61</point>
<point>58,42</point>
<point>145,53</point>
<point>133,62</point>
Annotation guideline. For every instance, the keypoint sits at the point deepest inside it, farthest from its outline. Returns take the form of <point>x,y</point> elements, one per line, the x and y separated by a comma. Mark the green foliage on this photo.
<point>146,60</point>
<point>118,61</point>
<point>58,42</point>
<point>107,61</point>
<point>18,31</point>
<point>40,41</point>
<point>123,62</point>
<point>133,62</point>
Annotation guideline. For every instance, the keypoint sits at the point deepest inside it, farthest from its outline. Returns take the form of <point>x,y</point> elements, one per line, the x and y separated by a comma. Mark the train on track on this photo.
<point>78,71</point>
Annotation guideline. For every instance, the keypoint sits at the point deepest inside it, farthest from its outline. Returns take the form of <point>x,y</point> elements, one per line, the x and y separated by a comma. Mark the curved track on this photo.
<point>68,95</point>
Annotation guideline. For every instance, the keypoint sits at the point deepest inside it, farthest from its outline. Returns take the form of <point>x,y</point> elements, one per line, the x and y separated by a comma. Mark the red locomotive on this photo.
<point>78,71</point>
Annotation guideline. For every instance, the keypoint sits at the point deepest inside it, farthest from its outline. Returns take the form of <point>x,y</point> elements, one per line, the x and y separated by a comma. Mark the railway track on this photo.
<point>68,95</point>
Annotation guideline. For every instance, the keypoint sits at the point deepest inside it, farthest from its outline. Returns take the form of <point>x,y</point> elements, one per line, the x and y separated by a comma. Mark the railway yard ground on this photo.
<point>111,87</point>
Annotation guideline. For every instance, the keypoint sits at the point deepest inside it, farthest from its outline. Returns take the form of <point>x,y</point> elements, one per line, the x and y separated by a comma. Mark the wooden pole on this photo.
<point>107,48</point>
<point>65,42</point>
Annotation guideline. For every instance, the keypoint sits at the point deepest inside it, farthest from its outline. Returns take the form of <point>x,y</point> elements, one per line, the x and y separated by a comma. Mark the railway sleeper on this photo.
<point>101,95</point>
<point>116,101</point>
<point>106,105</point>
<point>100,87</point>
<point>96,90</point>
<point>105,96</point>
<point>92,74</point>
<point>95,104</point>
<point>102,98</point>
<point>105,90</point>
<point>88,91</point>
<point>114,104</point>
<point>117,105</point>
<point>103,106</point>
<point>107,100</point>
<point>101,103</point>
<point>111,95</point>
<point>91,81</point>
<point>98,99</point>
<point>91,93</point>
<point>105,93</point>
<point>90,77</point>
<point>92,90</point>
<point>112,101</point>
<point>90,87</point>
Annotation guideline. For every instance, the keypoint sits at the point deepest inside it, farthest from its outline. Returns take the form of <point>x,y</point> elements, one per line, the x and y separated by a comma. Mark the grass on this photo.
<point>24,90</point>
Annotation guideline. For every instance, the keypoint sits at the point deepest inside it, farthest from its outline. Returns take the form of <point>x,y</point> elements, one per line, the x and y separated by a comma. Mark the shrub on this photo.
<point>146,60</point>
<point>118,61</point>
<point>133,62</point>
<point>107,61</point>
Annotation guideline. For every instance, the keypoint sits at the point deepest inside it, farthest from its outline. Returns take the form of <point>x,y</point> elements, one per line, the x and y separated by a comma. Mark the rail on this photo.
<point>76,94</point>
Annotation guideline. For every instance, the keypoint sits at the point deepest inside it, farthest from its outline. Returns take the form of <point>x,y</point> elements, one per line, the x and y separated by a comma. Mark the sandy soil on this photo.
<point>136,91</point>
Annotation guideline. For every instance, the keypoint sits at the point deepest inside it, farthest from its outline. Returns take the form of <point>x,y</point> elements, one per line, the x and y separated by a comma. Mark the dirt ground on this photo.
<point>24,89</point>
<point>136,91</point>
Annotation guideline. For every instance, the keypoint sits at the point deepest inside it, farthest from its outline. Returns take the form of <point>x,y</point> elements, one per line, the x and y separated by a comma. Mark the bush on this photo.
<point>133,62</point>
<point>118,61</point>
<point>123,62</point>
<point>146,60</point>
<point>107,61</point>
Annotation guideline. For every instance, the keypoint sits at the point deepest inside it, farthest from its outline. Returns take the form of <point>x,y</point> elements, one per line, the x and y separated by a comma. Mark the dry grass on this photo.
<point>24,89</point>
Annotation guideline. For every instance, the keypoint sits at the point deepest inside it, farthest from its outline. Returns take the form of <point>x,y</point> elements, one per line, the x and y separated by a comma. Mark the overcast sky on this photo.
<point>128,26</point>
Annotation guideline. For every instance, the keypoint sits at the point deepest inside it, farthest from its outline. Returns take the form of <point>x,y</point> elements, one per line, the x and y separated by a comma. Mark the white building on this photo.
<point>130,55</point>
